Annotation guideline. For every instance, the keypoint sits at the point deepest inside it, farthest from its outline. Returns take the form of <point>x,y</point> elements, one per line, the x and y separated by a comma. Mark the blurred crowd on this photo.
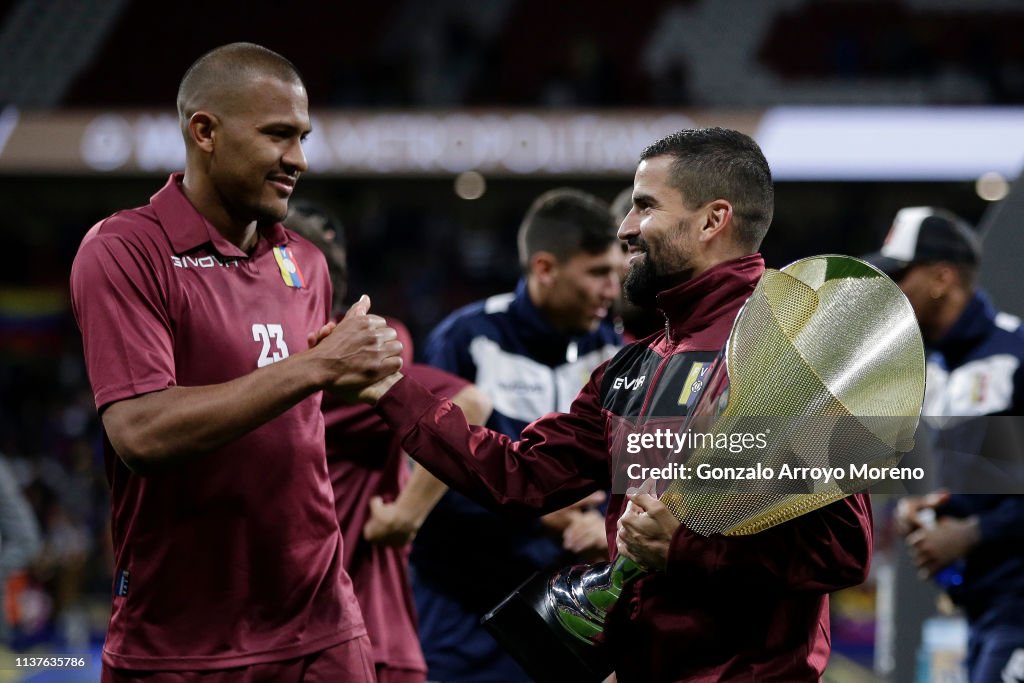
<point>55,570</point>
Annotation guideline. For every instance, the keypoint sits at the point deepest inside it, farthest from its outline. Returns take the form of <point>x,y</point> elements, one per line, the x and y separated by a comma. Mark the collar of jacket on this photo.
<point>530,321</point>
<point>187,229</point>
<point>702,301</point>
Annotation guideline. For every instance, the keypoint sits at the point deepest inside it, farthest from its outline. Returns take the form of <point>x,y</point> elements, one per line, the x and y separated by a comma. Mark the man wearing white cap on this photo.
<point>974,547</point>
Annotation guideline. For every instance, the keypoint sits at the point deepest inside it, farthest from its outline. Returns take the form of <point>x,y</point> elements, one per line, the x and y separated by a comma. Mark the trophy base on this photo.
<point>526,626</point>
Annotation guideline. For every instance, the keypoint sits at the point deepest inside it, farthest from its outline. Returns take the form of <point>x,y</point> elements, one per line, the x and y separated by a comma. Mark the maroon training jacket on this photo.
<point>749,608</point>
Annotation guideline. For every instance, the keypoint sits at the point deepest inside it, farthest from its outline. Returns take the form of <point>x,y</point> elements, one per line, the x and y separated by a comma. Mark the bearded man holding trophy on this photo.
<point>724,577</point>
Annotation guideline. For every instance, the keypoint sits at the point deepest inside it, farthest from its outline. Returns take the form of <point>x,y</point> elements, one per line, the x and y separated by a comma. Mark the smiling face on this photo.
<point>661,233</point>
<point>582,289</point>
<point>256,153</point>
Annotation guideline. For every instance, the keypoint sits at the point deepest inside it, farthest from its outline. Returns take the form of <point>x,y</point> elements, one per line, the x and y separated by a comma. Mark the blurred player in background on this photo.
<point>20,540</point>
<point>196,312</point>
<point>380,506</point>
<point>975,546</point>
<point>530,352</point>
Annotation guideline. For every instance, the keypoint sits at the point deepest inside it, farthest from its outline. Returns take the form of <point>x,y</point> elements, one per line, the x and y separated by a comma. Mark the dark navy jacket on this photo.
<point>467,558</point>
<point>978,369</point>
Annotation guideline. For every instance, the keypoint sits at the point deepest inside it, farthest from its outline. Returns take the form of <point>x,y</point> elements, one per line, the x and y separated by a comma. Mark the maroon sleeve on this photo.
<point>821,551</point>
<point>121,311</point>
<point>560,458</point>
<point>435,380</point>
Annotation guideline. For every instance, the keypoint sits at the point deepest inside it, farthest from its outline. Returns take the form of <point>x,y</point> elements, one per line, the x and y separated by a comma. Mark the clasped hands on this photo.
<point>360,355</point>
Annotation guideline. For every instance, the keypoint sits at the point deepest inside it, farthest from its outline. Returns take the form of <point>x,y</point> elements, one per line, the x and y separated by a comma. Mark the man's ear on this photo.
<point>717,217</point>
<point>543,266</point>
<point>201,128</point>
<point>944,277</point>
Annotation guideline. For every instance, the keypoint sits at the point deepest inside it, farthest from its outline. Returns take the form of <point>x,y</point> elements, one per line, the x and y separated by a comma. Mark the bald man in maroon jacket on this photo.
<point>196,313</point>
<point>749,608</point>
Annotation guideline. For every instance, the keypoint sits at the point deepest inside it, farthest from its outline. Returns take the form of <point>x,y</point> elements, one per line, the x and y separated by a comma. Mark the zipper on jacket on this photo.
<point>654,384</point>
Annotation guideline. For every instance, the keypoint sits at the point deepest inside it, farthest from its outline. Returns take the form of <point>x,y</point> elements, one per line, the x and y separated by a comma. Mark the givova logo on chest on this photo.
<point>208,261</point>
<point>629,384</point>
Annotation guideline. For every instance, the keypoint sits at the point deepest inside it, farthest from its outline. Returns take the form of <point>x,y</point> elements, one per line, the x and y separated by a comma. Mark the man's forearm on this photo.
<point>560,458</point>
<point>424,490</point>
<point>174,424</point>
<point>419,496</point>
<point>178,423</point>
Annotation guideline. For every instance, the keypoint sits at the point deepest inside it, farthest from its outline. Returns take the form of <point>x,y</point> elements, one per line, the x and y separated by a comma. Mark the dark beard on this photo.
<point>642,284</point>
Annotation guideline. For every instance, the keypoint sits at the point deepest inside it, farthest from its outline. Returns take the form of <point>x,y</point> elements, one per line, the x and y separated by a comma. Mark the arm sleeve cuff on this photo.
<point>405,404</point>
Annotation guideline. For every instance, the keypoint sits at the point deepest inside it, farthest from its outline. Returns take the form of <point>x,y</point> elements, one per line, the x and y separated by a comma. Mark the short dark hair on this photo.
<point>566,222</point>
<point>718,163</point>
<point>225,68</point>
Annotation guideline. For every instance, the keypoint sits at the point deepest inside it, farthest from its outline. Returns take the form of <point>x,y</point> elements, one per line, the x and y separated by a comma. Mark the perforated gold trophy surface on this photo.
<point>828,356</point>
<point>825,359</point>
